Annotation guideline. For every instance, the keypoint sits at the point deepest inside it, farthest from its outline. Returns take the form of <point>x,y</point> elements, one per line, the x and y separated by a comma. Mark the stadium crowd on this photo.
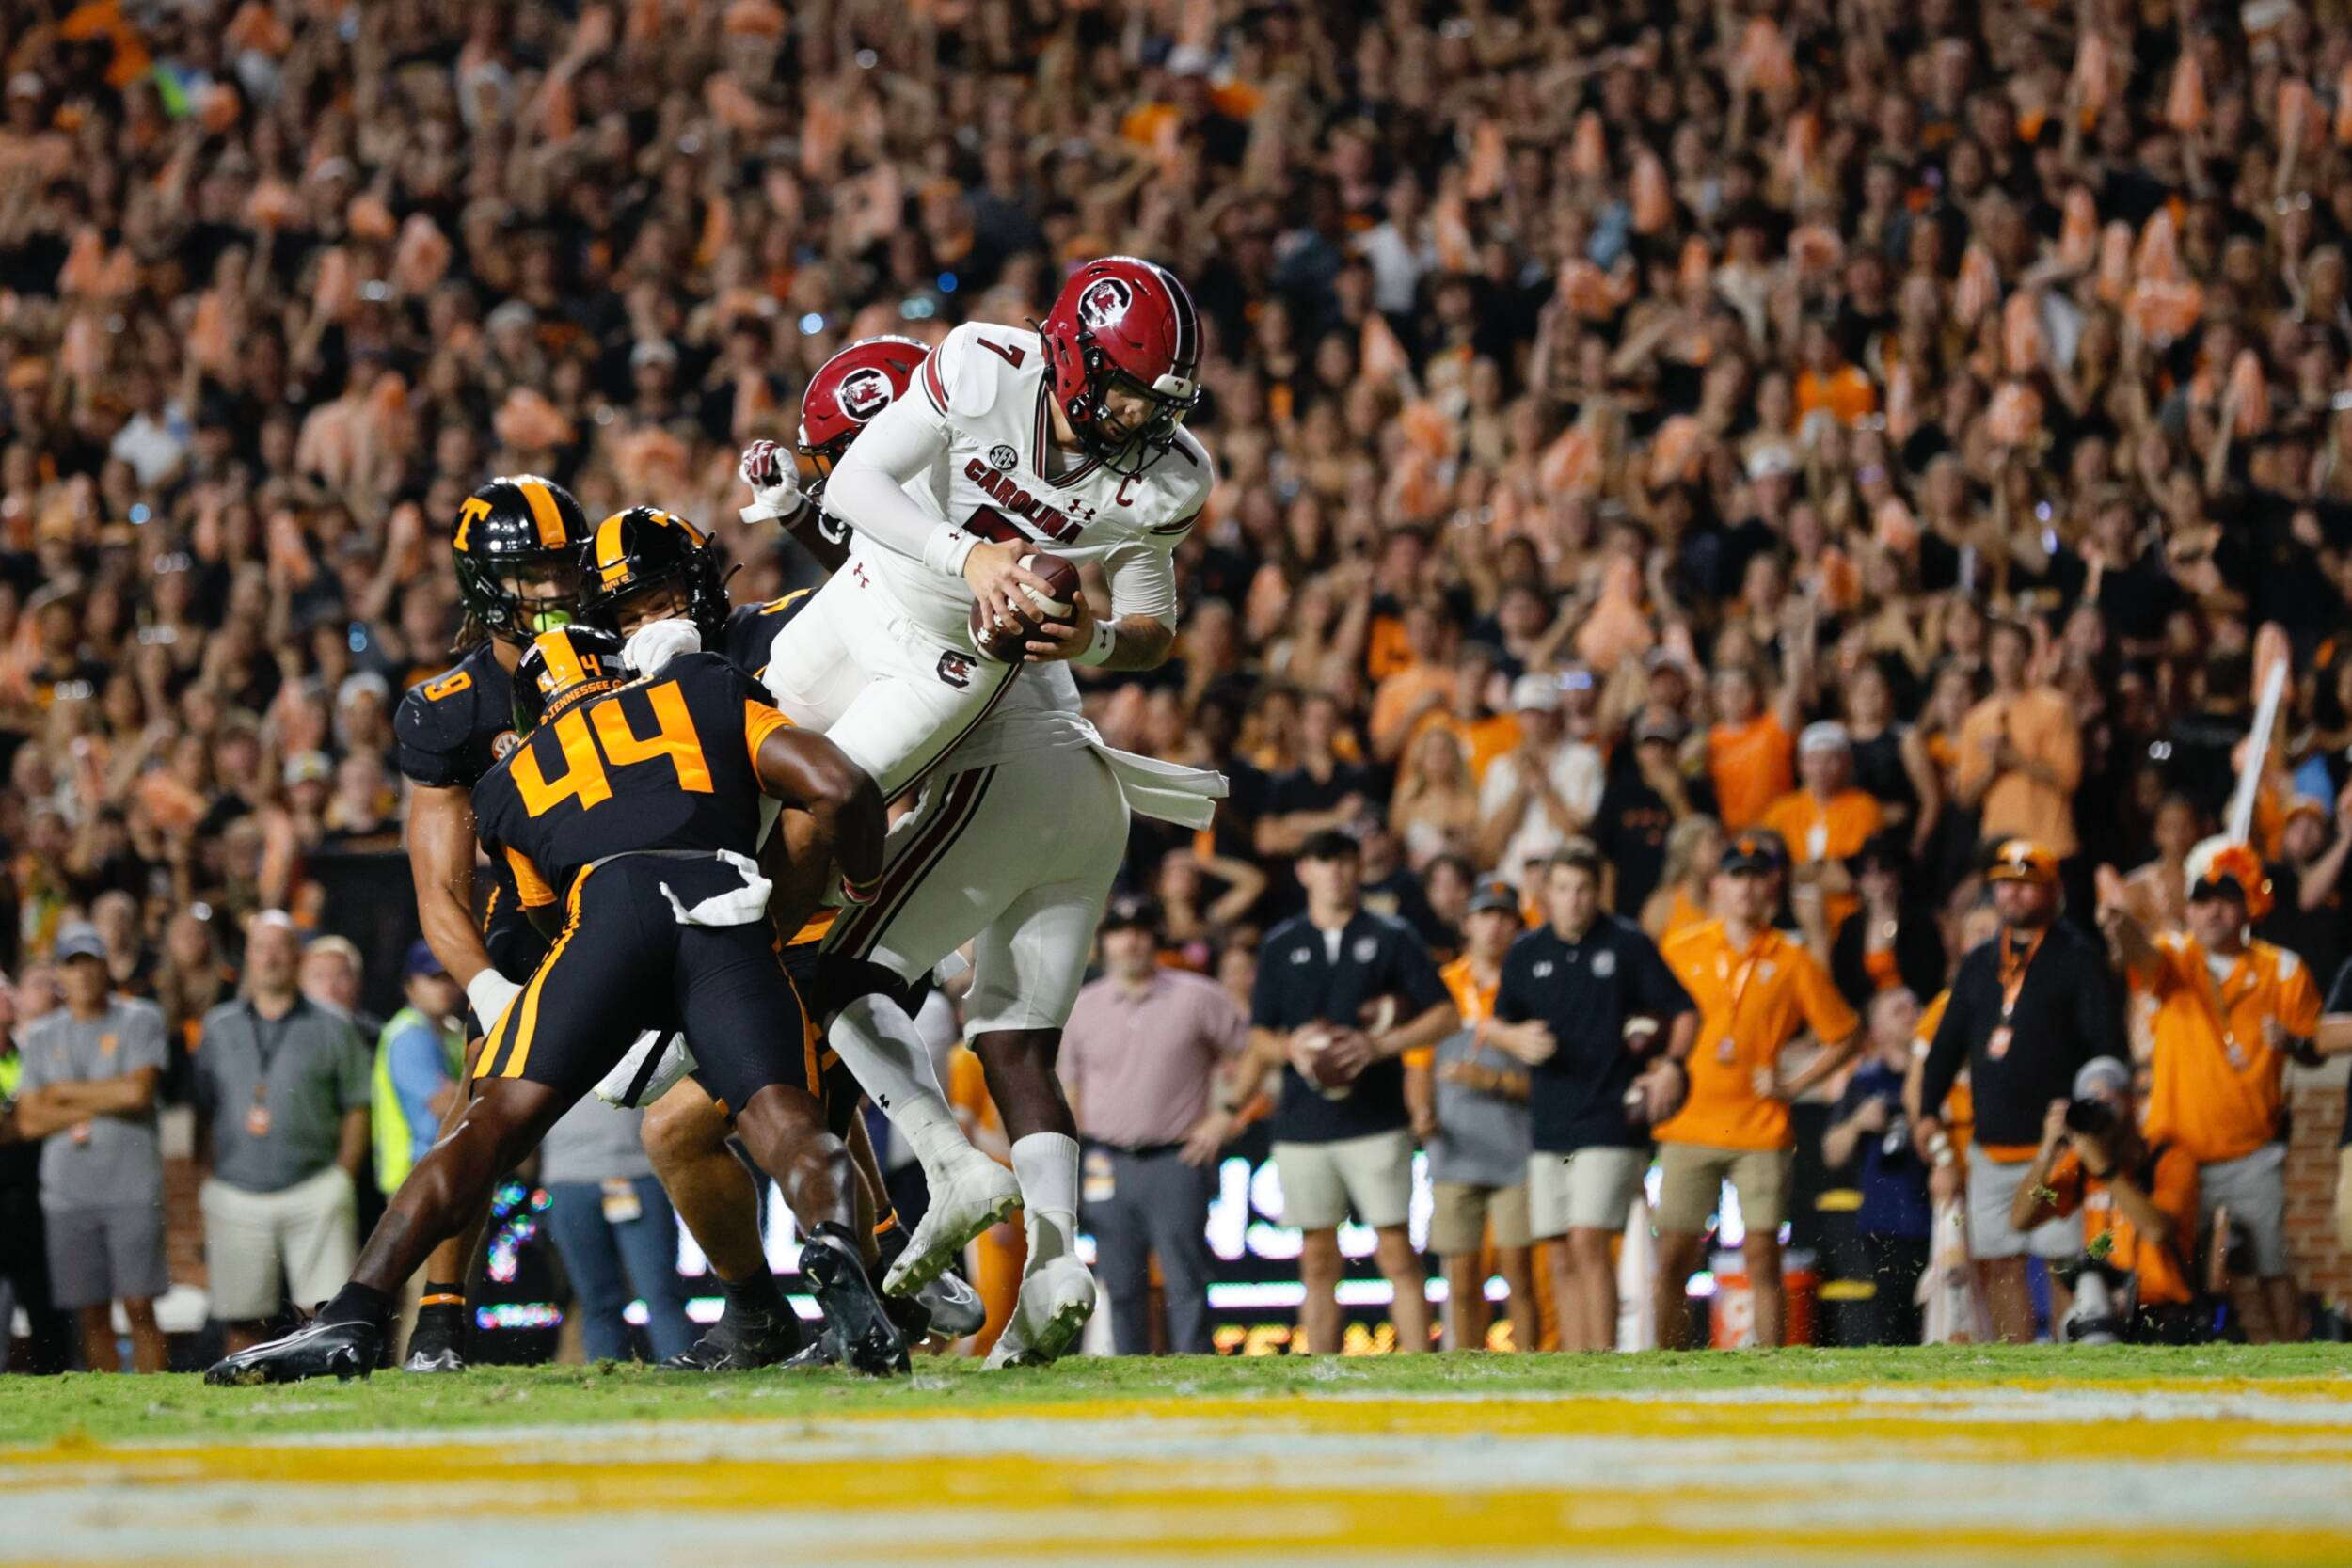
<point>1885,427</point>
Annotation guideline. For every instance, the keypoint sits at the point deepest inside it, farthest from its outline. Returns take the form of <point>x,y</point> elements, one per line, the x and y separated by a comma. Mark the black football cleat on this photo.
<point>740,1342</point>
<point>956,1310</point>
<point>870,1340</point>
<point>438,1344</point>
<point>337,1349</point>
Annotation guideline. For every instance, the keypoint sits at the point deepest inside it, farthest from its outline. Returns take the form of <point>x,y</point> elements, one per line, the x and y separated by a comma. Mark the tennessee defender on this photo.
<point>636,805</point>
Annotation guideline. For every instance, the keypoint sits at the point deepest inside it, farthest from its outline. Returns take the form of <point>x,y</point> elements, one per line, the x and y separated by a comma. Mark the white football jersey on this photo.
<point>984,389</point>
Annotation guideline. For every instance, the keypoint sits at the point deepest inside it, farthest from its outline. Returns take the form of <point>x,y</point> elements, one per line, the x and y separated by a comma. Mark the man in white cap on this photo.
<point>1536,797</point>
<point>1825,820</point>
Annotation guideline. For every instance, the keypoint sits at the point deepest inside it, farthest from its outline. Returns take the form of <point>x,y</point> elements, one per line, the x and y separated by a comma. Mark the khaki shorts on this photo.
<point>2254,1189</point>
<point>1691,1179</point>
<point>1372,1175</point>
<point>1991,1191</point>
<point>1460,1213</point>
<point>305,1238</point>
<point>1590,1189</point>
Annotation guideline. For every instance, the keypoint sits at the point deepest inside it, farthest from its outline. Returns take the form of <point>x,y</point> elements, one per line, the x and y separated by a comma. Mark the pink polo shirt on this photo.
<point>1138,1062</point>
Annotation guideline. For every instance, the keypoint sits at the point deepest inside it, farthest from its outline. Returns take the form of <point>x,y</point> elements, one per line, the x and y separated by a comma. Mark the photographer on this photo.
<point>2139,1202</point>
<point>1893,1219</point>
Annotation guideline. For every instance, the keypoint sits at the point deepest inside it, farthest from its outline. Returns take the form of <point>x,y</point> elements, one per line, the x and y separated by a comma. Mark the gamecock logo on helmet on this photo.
<point>1104,303</point>
<point>863,394</point>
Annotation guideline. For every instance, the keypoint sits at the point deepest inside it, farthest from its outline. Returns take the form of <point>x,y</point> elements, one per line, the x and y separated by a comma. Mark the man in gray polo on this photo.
<point>1140,1054</point>
<point>282,1088</point>
<point>91,1073</point>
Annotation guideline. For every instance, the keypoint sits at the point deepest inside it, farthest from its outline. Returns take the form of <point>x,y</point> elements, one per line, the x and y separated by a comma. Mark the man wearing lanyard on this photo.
<point>282,1095</point>
<point>1756,989</point>
<point>2026,1011</point>
<point>2230,1011</point>
<point>1568,990</point>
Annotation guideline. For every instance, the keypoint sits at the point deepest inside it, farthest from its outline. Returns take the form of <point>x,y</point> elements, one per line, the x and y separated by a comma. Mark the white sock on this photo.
<point>1046,1166</point>
<point>878,1041</point>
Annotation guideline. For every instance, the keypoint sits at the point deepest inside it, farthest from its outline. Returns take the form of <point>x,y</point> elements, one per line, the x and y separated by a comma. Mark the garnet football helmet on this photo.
<point>515,528</point>
<point>846,393</point>
<point>1121,325</point>
<point>646,547</point>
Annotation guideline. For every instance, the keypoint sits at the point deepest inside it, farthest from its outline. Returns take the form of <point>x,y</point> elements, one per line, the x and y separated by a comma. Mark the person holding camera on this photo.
<point>2026,1011</point>
<point>2229,1013</point>
<point>2139,1203</point>
<point>1894,1220</point>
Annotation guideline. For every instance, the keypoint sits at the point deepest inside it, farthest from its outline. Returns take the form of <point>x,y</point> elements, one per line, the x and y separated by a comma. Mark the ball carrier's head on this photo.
<point>518,546</point>
<point>1123,348</point>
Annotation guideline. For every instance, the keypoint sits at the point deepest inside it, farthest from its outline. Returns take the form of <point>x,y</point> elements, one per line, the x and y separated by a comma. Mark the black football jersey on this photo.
<point>449,732</point>
<point>663,762</point>
<point>752,629</point>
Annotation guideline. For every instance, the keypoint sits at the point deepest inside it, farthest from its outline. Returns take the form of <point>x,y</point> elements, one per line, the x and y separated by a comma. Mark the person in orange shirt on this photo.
<point>1756,989</point>
<point>1693,846</point>
<point>1422,687</point>
<point>2021,753</point>
<point>1828,820</point>
<point>2229,1012</point>
<point>2138,1196</point>
<point>1748,749</point>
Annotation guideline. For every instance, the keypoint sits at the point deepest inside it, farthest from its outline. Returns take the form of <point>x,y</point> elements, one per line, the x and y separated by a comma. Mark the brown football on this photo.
<point>1009,644</point>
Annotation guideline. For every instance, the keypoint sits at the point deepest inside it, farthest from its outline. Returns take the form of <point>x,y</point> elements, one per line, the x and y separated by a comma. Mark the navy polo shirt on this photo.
<point>1301,981</point>
<point>1583,991</point>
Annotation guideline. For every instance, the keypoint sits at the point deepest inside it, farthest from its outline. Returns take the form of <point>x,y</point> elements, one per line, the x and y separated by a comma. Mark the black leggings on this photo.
<point>1896,1264</point>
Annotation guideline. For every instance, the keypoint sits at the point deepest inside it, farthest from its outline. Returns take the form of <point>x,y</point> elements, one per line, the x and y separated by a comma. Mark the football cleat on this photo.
<point>956,1308</point>
<point>870,1340</point>
<point>1057,1299</point>
<point>437,1342</point>
<point>974,1192</point>
<point>739,1342</point>
<point>337,1349</point>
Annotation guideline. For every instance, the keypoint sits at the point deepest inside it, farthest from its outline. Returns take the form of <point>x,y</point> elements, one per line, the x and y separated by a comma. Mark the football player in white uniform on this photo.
<point>1019,832</point>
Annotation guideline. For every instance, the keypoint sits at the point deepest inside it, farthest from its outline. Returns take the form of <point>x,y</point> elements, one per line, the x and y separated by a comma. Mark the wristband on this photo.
<point>1098,652</point>
<point>947,549</point>
<point>860,893</point>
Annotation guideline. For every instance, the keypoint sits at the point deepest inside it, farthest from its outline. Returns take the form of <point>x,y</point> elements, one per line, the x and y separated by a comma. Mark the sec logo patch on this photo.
<point>503,744</point>
<point>1002,456</point>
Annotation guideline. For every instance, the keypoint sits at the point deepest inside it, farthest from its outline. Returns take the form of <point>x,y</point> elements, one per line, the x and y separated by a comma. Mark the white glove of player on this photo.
<point>775,478</point>
<point>654,644</point>
<point>488,994</point>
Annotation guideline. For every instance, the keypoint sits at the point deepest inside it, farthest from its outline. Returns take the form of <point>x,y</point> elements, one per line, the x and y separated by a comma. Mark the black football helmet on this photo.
<point>562,667</point>
<point>643,549</point>
<point>518,528</point>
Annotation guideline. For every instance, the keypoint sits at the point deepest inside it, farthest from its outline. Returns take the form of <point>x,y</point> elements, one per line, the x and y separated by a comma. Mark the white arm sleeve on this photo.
<point>867,489</point>
<point>1142,574</point>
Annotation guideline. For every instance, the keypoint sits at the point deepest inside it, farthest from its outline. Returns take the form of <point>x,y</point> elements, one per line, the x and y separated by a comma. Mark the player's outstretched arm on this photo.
<point>440,862</point>
<point>804,769</point>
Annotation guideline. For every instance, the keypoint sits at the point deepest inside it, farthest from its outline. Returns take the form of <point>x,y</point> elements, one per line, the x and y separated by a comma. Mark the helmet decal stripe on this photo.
<point>612,559</point>
<point>563,666</point>
<point>543,512</point>
<point>1187,326</point>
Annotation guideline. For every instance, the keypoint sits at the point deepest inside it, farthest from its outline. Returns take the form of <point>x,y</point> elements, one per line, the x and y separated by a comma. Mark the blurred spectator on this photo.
<point>2229,1012</point>
<point>1543,792</point>
<point>2308,908</point>
<point>1646,798</point>
<point>1685,882</point>
<point>2019,750</point>
<point>419,1057</point>
<point>1340,996</point>
<point>1470,1103</point>
<point>23,1233</point>
<point>2027,1010</point>
<point>614,1227</point>
<point>1573,993</point>
<point>1142,1056</point>
<point>91,1073</point>
<point>1890,940</point>
<point>1827,820</point>
<point>283,1098</point>
<point>1756,990</point>
<point>2137,1197</point>
<point>330,977</point>
<point>1869,1120</point>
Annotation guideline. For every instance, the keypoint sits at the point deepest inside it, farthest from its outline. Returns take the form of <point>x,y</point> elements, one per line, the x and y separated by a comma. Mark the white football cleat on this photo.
<point>1057,1299</point>
<point>973,1193</point>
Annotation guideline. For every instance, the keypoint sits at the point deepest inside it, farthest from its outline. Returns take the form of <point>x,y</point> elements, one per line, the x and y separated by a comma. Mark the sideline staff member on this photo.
<point>2027,1010</point>
<point>1567,988</point>
<point>1756,989</point>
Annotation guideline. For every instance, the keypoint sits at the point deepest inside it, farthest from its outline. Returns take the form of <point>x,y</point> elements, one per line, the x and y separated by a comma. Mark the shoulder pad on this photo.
<point>967,373</point>
<point>447,727</point>
<point>752,628</point>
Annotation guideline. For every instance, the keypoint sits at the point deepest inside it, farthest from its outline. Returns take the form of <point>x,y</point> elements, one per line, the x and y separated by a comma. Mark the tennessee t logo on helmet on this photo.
<point>518,530</point>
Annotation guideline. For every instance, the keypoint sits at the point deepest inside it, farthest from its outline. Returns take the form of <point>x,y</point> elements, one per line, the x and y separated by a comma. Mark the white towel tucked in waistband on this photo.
<point>1167,791</point>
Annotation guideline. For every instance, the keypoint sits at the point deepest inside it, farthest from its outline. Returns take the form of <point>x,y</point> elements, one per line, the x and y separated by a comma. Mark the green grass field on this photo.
<point>112,1409</point>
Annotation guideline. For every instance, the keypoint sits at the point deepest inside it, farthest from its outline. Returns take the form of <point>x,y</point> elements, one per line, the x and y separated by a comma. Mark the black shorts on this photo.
<point>623,964</point>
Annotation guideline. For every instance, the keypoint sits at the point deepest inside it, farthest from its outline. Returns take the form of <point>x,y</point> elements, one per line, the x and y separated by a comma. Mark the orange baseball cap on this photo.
<point>2021,859</point>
